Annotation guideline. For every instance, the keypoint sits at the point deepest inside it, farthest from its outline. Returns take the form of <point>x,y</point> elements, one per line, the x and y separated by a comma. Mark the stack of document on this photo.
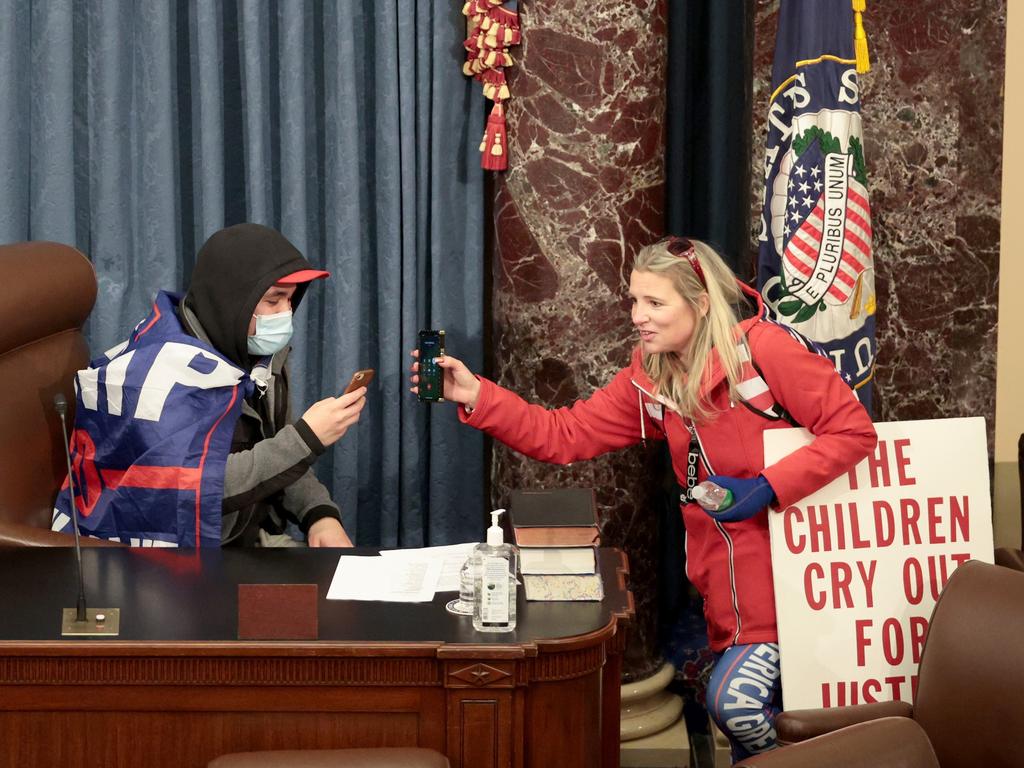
<point>400,575</point>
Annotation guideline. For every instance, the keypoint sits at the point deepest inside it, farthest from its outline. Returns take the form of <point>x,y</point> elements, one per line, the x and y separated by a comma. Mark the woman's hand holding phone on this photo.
<point>460,385</point>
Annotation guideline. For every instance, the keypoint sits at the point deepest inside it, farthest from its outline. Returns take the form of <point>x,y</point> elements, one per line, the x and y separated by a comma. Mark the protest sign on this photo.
<point>859,564</point>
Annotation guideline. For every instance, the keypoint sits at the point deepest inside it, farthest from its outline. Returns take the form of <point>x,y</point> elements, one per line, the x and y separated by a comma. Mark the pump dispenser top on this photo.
<point>495,535</point>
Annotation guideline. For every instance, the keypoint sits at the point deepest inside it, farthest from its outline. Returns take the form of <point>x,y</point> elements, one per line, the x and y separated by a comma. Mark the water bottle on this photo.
<point>467,583</point>
<point>712,496</point>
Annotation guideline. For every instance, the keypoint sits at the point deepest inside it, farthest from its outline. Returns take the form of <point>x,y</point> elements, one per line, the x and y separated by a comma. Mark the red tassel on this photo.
<point>503,15</point>
<point>493,29</point>
<point>495,143</point>
<point>495,88</point>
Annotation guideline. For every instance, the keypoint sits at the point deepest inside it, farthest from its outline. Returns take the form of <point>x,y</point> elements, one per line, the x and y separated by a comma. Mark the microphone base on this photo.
<point>109,625</point>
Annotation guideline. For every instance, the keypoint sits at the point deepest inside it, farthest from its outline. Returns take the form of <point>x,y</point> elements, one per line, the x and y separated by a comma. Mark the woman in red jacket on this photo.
<point>711,385</point>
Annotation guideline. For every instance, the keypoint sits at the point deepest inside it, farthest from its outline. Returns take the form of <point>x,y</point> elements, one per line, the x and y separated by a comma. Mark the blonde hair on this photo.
<point>679,376</point>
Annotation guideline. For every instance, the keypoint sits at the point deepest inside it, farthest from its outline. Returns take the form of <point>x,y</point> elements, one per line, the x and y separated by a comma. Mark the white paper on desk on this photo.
<point>386,579</point>
<point>451,557</point>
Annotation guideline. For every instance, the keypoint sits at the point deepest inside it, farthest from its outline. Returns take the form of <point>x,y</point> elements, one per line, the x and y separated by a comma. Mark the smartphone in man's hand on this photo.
<point>431,386</point>
<point>361,378</point>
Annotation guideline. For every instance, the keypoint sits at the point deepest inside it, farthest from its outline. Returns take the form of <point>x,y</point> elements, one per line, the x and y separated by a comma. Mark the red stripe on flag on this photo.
<point>857,197</point>
<point>860,221</point>
<point>156,316</point>
<point>803,269</point>
<point>797,264</point>
<point>206,449</point>
<point>806,247</point>
<point>156,478</point>
<point>863,247</point>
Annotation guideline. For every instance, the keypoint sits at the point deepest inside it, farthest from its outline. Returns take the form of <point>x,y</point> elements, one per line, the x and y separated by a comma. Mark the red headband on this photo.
<point>683,248</point>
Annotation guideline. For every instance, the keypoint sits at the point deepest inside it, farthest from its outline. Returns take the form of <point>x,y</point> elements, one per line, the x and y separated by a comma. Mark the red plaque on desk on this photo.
<point>277,612</point>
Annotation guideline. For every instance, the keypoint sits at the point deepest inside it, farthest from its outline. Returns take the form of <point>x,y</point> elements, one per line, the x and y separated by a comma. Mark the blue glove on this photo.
<point>749,496</point>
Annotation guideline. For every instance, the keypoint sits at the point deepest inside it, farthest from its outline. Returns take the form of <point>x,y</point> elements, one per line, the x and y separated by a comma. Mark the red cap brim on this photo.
<point>303,276</point>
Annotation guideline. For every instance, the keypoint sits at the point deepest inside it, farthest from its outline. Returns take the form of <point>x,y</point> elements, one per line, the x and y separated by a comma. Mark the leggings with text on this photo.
<point>745,696</point>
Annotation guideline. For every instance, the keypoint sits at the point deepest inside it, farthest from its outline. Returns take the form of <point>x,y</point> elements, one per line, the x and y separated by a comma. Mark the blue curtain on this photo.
<point>133,130</point>
<point>707,126</point>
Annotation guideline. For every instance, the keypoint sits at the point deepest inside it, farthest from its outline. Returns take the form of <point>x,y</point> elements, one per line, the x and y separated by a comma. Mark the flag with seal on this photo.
<point>815,262</point>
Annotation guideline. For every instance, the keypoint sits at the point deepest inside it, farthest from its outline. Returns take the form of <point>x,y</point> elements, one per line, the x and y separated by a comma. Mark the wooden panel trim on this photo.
<point>564,666</point>
<point>75,670</point>
<point>499,675</point>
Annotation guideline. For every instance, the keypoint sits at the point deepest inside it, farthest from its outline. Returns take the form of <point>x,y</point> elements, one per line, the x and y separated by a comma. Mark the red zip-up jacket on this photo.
<point>728,563</point>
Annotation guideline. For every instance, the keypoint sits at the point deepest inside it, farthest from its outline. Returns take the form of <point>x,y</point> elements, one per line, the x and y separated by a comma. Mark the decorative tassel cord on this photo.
<point>860,37</point>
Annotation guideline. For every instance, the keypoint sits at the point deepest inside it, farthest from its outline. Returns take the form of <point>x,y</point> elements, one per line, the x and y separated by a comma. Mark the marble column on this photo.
<point>584,190</point>
<point>932,107</point>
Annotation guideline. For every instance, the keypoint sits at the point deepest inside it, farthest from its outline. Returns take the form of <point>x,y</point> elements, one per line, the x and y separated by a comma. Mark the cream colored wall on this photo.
<point>1010,352</point>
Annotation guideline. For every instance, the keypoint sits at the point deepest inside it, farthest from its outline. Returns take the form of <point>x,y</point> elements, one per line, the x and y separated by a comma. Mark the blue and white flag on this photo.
<point>153,428</point>
<point>815,264</point>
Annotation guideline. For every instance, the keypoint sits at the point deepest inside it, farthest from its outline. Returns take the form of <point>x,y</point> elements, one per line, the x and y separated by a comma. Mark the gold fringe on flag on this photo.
<point>860,37</point>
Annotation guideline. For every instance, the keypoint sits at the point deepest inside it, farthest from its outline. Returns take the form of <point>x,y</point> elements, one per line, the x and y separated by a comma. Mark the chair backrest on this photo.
<point>48,290</point>
<point>972,671</point>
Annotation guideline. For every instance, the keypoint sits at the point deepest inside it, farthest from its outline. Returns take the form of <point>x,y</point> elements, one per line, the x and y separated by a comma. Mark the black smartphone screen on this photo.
<point>431,384</point>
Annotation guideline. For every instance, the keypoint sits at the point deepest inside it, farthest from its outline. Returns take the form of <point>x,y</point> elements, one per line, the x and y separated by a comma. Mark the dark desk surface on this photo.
<point>184,595</point>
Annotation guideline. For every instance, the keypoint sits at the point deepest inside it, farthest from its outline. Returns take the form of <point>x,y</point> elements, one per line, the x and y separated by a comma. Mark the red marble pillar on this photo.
<point>584,190</point>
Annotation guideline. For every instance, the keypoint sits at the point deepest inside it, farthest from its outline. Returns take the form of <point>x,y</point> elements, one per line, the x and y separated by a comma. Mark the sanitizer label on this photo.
<point>494,595</point>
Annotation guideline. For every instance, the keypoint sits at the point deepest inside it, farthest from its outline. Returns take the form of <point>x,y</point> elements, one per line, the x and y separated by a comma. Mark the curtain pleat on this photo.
<point>15,134</point>
<point>707,146</point>
<point>135,130</point>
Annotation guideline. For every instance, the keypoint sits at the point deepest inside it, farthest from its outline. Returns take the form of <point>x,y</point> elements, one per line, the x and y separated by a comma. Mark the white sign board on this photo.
<point>859,564</point>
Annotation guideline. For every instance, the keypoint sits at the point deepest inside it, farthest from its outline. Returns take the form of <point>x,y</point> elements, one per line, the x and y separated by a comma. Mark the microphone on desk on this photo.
<point>80,620</point>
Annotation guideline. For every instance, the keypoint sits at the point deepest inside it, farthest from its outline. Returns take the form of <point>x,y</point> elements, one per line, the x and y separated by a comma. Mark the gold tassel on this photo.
<point>860,38</point>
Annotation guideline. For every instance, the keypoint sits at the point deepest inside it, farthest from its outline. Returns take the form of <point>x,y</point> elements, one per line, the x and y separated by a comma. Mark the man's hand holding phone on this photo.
<point>331,417</point>
<point>459,383</point>
<point>360,378</point>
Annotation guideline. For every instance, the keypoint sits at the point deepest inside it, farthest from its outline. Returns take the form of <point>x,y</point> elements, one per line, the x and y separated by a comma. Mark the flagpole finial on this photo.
<point>860,37</point>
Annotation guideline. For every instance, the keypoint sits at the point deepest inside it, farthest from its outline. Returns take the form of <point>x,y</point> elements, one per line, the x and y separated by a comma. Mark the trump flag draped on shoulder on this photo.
<point>153,427</point>
<point>815,264</point>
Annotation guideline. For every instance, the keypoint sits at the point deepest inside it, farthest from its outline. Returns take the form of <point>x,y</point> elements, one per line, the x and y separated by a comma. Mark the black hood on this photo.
<point>233,270</point>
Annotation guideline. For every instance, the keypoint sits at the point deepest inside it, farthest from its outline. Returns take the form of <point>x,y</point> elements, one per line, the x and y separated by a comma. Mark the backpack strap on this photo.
<point>755,395</point>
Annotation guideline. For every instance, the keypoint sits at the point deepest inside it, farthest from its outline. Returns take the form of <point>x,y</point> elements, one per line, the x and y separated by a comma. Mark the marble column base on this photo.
<point>647,707</point>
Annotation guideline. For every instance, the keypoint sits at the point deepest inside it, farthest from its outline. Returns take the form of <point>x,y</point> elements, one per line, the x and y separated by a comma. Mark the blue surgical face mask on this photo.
<point>273,332</point>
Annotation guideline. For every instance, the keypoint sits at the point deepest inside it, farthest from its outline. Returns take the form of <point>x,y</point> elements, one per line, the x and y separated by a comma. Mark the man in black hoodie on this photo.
<point>246,282</point>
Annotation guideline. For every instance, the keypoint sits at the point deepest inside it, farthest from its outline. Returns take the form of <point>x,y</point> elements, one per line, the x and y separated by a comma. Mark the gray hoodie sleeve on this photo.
<point>280,463</point>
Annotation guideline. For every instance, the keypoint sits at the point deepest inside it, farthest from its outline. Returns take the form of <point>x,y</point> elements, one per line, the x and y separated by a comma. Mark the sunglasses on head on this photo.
<point>684,249</point>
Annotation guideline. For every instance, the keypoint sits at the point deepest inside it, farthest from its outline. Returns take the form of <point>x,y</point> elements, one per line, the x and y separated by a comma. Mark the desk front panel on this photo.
<point>176,689</point>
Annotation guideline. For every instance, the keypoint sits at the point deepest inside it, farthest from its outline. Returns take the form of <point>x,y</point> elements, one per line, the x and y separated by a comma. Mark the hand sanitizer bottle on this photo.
<point>494,601</point>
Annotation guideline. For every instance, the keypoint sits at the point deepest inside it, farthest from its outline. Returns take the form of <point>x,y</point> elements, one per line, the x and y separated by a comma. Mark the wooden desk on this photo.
<point>176,689</point>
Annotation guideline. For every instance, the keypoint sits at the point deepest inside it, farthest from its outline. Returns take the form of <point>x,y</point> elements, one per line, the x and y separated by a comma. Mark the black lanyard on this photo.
<point>692,460</point>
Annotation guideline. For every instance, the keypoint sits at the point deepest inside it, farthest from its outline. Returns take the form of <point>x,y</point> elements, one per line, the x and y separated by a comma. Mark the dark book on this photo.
<point>557,517</point>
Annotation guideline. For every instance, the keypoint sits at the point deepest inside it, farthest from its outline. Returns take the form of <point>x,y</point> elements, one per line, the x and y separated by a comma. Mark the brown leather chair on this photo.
<point>968,710</point>
<point>392,757</point>
<point>49,290</point>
